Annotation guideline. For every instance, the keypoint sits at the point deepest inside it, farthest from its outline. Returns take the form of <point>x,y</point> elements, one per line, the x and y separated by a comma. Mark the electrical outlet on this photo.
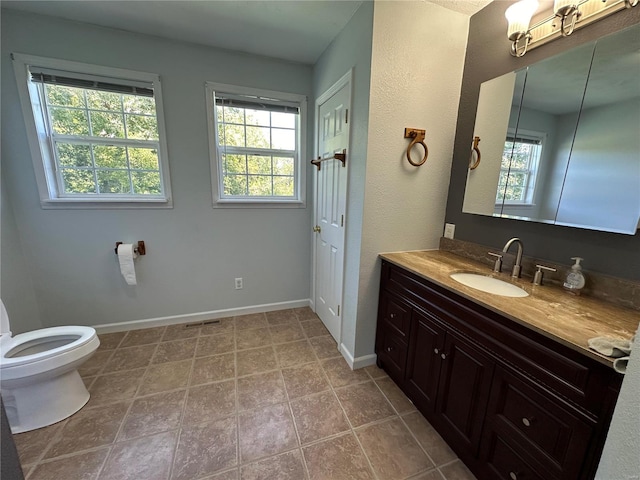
<point>239,285</point>
<point>449,230</point>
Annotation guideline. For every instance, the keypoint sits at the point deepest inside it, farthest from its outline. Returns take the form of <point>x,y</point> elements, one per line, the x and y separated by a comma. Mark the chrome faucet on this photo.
<point>515,273</point>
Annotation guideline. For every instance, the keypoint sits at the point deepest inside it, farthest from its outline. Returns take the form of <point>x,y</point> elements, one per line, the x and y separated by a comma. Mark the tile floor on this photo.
<point>255,397</point>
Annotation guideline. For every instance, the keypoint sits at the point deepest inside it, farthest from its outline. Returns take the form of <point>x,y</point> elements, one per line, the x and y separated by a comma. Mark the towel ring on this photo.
<point>473,165</point>
<point>418,137</point>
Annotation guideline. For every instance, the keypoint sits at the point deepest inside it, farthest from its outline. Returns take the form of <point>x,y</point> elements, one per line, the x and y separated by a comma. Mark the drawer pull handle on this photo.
<point>443,356</point>
<point>513,475</point>
<point>392,315</point>
<point>526,422</point>
<point>389,349</point>
<point>436,351</point>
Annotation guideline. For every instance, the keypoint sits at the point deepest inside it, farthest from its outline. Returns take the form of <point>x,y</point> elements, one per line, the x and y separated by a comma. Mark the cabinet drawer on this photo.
<point>392,350</point>
<point>504,463</point>
<point>397,314</point>
<point>554,433</point>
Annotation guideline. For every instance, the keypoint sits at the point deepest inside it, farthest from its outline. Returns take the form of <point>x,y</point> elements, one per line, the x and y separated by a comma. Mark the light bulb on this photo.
<point>519,15</point>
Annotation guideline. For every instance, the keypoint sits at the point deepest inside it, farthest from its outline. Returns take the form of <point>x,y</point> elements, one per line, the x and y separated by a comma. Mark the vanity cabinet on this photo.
<point>511,402</point>
<point>449,377</point>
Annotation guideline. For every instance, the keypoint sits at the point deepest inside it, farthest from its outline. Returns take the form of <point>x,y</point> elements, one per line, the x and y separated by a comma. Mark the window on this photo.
<point>520,160</point>
<point>255,141</point>
<point>97,133</point>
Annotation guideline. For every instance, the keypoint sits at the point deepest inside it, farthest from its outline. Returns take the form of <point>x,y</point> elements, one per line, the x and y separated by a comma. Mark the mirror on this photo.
<point>559,139</point>
<point>602,182</point>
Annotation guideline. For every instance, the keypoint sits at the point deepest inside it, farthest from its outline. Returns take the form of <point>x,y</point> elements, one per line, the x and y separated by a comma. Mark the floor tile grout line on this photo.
<point>44,461</point>
<point>237,398</point>
<point>47,447</point>
<point>399,414</point>
<point>71,455</point>
<point>130,406</point>
<point>104,462</point>
<point>352,431</point>
<point>295,427</point>
<point>415,437</point>
<point>184,409</point>
<point>104,365</point>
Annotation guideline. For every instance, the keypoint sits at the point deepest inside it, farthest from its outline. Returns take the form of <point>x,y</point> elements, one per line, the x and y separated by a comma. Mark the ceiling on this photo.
<point>296,30</point>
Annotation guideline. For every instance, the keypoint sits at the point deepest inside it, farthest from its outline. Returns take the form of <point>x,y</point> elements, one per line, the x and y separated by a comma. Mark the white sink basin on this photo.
<point>489,284</point>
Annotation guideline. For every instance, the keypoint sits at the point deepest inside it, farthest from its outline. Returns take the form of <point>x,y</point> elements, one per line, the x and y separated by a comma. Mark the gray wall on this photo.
<point>193,251</point>
<point>488,57</point>
<point>16,287</point>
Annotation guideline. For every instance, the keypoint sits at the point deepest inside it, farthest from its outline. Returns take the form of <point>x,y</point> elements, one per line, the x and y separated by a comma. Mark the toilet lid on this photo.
<point>5,327</point>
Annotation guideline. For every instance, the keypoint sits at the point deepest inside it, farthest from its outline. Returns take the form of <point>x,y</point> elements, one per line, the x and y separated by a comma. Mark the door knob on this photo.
<point>317,229</point>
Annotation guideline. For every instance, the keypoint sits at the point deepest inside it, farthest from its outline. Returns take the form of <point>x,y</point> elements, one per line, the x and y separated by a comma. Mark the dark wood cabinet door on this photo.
<point>463,393</point>
<point>423,367</point>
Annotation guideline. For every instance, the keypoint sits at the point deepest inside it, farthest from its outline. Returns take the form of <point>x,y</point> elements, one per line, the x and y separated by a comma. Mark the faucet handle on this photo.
<point>537,277</point>
<point>497,266</point>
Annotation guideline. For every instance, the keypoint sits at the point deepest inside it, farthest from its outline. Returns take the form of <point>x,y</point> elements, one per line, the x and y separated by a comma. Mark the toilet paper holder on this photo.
<point>140,249</point>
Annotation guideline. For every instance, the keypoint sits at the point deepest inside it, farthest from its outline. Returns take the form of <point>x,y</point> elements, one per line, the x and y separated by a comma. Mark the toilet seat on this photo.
<point>39,380</point>
<point>45,335</point>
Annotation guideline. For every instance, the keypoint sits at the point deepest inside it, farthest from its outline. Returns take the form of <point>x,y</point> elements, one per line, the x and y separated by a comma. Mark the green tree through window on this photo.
<point>257,146</point>
<point>104,142</point>
<point>520,159</point>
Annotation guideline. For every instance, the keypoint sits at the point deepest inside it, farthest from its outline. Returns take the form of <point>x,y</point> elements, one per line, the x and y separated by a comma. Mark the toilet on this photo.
<point>39,380</point>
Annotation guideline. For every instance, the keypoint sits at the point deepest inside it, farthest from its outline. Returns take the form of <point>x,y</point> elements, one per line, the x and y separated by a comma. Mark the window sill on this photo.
<point>250,203</point>
<point>104,204</point>
<point>516,205</point>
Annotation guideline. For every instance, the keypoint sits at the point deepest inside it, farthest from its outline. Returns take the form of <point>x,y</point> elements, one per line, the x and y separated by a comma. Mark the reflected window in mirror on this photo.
<point>520,162</point>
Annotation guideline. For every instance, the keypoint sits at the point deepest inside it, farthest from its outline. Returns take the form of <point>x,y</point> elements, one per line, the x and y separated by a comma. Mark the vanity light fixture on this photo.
<point>568,11</point>
<point>519,15</point>
<point>567,16</point>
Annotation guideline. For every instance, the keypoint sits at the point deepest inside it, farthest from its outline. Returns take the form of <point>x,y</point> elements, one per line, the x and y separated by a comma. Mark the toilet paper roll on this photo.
<point>125,258</point>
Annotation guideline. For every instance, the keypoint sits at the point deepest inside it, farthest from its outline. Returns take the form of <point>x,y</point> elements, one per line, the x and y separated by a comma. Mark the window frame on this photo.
<point>219,201</point>
<point>41,143</point>
<point>531,172</point>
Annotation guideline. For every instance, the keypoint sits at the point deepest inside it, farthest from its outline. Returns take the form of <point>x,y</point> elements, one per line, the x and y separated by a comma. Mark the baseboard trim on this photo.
<point>197,317</point>
<point>364,361</point>
<point>358,362</point>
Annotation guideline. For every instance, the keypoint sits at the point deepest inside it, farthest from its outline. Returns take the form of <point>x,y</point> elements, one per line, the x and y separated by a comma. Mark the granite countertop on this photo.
<point>549,310</point>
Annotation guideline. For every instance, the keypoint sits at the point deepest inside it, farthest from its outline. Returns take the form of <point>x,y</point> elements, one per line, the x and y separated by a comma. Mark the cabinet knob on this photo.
<point>392,315</point>
<point>389,349</point>
<point>526,422</point>
<point>513,475</point>
<point>436,351</point>
<point>443,356</point>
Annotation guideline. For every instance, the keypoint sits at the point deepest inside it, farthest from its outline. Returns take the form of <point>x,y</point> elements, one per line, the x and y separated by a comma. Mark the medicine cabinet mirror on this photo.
<point>559,139</point>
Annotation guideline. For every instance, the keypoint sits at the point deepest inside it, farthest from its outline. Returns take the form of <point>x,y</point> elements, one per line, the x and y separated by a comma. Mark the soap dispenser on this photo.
<point>575,279</point>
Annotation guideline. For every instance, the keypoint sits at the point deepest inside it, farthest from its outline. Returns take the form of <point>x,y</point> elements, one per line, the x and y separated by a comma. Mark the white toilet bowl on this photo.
<point>39,381</point>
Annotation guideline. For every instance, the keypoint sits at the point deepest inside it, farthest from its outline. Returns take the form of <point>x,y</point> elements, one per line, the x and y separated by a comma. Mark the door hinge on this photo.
<point>338,310</point>
<point>342,220</point>
<point>346,115</point>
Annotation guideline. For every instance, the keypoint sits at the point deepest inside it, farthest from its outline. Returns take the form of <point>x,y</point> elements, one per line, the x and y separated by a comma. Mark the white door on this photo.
<point>331,201</point>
